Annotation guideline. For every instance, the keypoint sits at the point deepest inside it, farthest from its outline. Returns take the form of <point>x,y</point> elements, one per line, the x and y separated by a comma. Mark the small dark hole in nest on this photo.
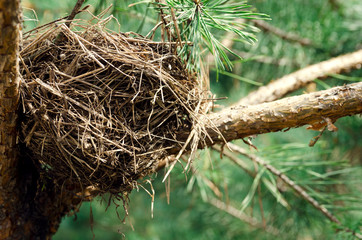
<point>101,109</point>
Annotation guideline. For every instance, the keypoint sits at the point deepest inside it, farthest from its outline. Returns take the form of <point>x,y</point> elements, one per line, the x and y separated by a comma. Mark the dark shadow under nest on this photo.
<point>100,108</point>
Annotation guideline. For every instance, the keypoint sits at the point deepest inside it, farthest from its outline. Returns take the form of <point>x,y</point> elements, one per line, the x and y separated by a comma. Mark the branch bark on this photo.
<point>291,82</point>
<point>317,109</point>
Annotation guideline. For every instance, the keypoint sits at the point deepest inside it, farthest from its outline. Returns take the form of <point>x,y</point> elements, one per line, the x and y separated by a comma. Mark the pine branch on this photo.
<point>319,108</point>
<point>240,215</point>
<point>228,41</point>
<point>286,180</point>
<point>282,34</point>
<point>235,160</point>
<point>291,82</point>
<point>291,184</point>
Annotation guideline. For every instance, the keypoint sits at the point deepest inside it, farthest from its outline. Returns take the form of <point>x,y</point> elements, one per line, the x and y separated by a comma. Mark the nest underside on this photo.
<point>100,108</point>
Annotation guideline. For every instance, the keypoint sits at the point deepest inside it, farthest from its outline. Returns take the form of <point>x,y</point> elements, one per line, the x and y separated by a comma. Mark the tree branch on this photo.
<point>319,108</point>
<point>291,82</point>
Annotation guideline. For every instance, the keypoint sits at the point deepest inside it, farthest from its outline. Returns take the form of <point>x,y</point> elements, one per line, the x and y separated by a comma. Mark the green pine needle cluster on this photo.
<point>199,23</point>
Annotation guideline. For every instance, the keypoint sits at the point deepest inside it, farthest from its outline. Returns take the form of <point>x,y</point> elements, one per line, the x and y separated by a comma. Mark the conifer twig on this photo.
<point>266,27</point>
<point>240,215</point>
<point>293,185</point>
<point>287,180</point>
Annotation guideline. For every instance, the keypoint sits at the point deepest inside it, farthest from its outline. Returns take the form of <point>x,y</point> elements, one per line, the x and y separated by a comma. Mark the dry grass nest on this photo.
<point>101,108</point>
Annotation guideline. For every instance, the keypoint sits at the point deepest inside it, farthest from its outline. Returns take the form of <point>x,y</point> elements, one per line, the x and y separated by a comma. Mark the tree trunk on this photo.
<point>30,207</point>
<point>10,194</point>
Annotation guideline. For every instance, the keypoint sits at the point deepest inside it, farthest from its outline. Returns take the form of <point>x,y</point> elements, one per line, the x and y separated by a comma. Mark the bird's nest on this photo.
<point>101,108</point>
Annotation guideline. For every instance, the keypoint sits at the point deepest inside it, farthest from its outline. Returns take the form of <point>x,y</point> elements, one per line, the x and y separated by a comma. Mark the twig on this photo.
<point>235,159</point>
<point>287,180</point>
<point>291,184</point>
<point>240,215</point>
<point>282,34</point>
<point>213,187</point>
<point>165,23</point>
<point>176,28</point>
<point>74,12</point>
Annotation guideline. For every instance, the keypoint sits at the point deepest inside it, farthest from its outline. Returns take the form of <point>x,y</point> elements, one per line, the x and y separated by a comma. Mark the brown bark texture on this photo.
<point>30,207</point>
<point>9,97</point>
<point>317,109</point>
<point>291,82</point>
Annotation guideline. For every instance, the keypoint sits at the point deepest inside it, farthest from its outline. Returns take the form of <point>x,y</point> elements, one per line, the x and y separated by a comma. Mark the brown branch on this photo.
<point>228,41</point>
<point>242,121</point>
<point>291,184</point>
<point>282,34</point>
<point>74,12</point>
<point>291,82</point>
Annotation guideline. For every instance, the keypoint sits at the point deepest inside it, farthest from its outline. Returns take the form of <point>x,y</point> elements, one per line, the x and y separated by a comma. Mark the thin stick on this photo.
<point>165,23</point>
<point>240,215</point>
<point>74,12</point>
<point>282,34</point>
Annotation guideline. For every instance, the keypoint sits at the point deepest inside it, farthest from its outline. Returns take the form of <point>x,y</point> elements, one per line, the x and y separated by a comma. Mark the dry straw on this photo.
<point>100,108</point>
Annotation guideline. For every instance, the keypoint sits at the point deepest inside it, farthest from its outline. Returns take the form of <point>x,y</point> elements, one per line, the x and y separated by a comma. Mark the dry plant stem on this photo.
<point>282,34</point>
<point>242,121</point>
<point>291,82</point>
<point>235,160</point>
<point>165,22</point>
<point>290,183</point>
<point>240,215</point>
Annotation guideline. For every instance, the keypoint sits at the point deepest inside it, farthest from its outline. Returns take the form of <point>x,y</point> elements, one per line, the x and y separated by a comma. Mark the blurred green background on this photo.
<point>330,171</point>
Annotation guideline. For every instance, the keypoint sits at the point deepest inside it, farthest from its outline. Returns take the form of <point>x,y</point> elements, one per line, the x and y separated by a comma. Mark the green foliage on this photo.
<point>197,21</point>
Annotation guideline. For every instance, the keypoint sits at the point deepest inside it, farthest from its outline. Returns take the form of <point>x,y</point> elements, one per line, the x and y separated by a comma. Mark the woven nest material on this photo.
<point>102,109</point>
